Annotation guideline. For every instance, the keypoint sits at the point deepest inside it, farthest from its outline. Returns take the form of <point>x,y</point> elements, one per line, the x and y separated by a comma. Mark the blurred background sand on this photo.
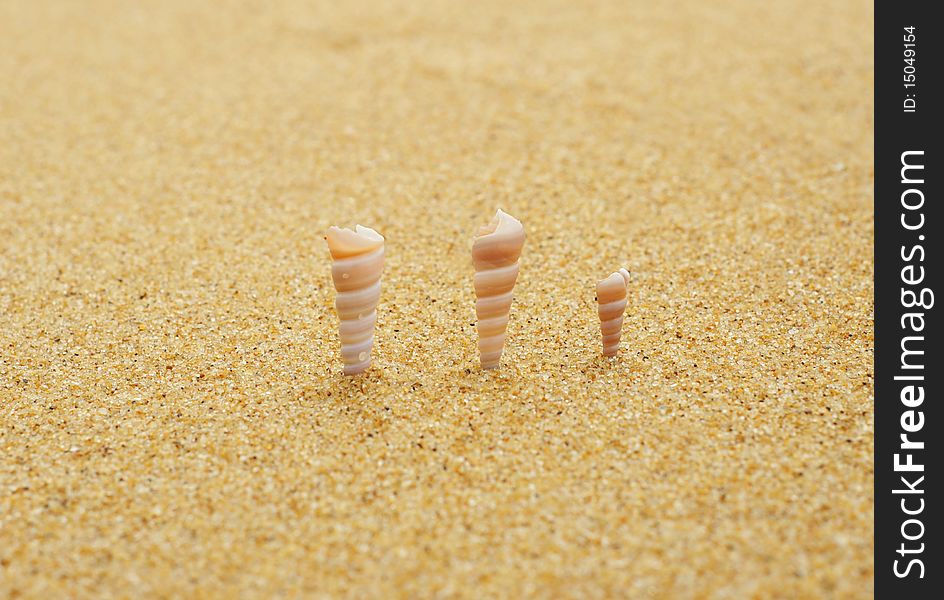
<point>173,421</point>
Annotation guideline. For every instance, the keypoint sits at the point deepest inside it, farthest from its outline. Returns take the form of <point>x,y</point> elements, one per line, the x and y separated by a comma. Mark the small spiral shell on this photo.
<point>495,253</point>
<point>358,258</point>
<point>611,296</point>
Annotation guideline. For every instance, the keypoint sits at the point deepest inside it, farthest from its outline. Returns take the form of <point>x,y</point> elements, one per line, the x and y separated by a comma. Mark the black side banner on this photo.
<point>908,366</point>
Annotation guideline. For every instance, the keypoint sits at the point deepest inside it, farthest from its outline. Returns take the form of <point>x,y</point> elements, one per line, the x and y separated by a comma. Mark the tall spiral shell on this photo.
<point>358,258</point>
<point>611,296</point>
<point>495,253</point>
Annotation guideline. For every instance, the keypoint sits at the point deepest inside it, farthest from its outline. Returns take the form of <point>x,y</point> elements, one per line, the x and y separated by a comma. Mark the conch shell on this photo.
<point>611,296</point>
<point>495,253</point>
<point>358,258</point>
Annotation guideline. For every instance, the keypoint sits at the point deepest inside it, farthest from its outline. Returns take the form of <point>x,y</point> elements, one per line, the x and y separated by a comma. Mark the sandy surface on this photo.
<point>172,416</point>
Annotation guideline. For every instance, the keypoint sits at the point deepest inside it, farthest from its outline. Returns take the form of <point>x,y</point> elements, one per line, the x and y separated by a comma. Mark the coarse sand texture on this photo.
<point>174,416</point>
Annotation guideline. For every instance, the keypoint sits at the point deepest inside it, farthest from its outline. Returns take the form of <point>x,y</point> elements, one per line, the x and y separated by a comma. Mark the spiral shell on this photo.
<point>611,296</point>
<point>358,258</point>
<point>495,253</point>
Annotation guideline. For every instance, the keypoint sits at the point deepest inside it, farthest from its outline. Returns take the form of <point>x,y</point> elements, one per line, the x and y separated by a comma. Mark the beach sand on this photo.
<point>173,418</point>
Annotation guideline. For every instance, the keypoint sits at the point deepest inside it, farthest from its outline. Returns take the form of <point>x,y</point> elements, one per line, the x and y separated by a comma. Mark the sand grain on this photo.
<point>172,416</point>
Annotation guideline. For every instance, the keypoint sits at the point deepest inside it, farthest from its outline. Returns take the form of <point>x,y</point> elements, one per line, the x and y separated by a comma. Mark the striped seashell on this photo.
<point>495,253</point>
<point>358,258</point>
<point>611,296</point>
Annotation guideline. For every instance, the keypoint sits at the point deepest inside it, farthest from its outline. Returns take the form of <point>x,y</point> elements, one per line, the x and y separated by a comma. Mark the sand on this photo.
<point>173,418</point>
